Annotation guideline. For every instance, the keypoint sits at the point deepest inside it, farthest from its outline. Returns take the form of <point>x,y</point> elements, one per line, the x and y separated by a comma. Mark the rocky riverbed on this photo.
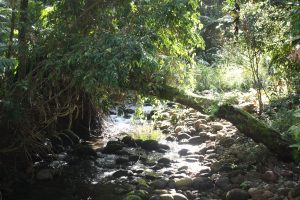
<point>195,157</point>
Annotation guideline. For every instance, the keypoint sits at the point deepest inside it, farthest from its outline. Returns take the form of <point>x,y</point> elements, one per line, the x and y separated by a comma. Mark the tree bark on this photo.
<point>258,131</point>
<point>23,47</point>
<point>12,29</point>
<point>245,122</point>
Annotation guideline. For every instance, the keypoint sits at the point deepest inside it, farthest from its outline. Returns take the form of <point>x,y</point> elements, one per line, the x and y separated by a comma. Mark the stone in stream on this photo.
<point>183,183</point>
<point>237,194</point>
<point>183,136</point>
<point>113,147</point>
<point>159,184</point>
<point>257,193</point>
<point>201,125</point>
<point>198,139</point>
<point>84,151</point>
<point>216,126</point>
<point>202,183</point>
<point>129,141</point>
<point>184,152</point>
<point>178,196</point>
<point>166,197</point>
<point>179,129</point>
<point>142,194</point>
<point>165,161</point>
<point>121,173</point>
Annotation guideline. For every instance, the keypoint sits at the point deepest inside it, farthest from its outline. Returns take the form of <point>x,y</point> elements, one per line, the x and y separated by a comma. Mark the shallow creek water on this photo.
<point>87,179</point>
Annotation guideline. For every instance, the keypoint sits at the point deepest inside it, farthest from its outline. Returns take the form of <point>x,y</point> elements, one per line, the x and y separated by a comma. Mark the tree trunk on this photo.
<point>12,29</point>
<point>258,131</point>
<point>23,47</point>
<point>246,123</point>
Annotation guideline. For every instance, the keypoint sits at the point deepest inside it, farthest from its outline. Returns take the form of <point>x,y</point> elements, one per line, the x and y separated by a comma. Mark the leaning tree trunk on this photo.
<point>257,130</point>
<point>246,123</point>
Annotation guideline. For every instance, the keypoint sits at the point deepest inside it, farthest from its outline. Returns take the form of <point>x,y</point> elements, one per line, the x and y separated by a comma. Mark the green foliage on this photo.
<point>222,78</point>
<point>145,132</point>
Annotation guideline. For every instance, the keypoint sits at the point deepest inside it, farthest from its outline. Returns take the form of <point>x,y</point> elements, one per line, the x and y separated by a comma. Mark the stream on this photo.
<point>193,158</point>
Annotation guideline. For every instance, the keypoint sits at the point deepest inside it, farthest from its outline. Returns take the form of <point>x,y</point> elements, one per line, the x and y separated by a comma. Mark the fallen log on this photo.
<point>245,122</point>
<point>258,131</point>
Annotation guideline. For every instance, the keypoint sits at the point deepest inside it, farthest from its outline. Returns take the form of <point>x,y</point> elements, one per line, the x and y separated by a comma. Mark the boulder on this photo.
<point>183,136</point>
<point>237,194</point>
<point>150,145</point>
<point>202,183</point>
<point>121,173</point>
<point>179,129</point>
<point>216,126</point>
<point>269,176</point>
<point>129,141</point>
<point>183,183</point>
<point>166,197</point>
<point>112,147</point>
<point>178,196</point>
<point>198,139</point>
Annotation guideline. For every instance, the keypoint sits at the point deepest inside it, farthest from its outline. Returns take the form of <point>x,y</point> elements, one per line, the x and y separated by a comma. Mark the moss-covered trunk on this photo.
<point>245,122</point>
<point>257,130</point>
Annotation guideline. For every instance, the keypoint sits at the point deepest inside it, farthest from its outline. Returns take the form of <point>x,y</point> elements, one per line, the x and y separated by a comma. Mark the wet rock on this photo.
<point>201,125</point>
<point>258,194</point>
<point>122,161</point>
<point>223,182</point>
<point>150,145</point>
<point>129,111</point>
<point>171,138</point>
<point>44,174</point>
<point>143,194</point>
<point>178,196</point>
<point>165,125</point>
<point>179,129</point>
<point>129,141</point>
<point>269,176</point>
<point>198,139</point>
<point>164,146</point>
<point>237,194</point>
<point>216,166</point>
<point>159,184</point>
<point>112,147</point>
<point>216,126</point>
<point>202,183</point>
<point>184,152</point>
<point>121,173</point>
<point>191,160</point>
<point>161,191</point>
<point>84,151</point>
<point>183,183</point>
<point>226,142</point>
<point>183,136</point>
<point>166,197</point>
<point>165,161</point>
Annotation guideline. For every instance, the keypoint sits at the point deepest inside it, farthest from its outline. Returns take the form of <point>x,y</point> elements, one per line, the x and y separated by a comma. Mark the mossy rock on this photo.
<point>143,194</point>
